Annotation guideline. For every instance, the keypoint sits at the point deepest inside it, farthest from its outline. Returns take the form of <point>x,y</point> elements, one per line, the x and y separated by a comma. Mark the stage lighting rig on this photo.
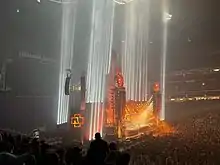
<point>63,1</point>
<point>123,2</point>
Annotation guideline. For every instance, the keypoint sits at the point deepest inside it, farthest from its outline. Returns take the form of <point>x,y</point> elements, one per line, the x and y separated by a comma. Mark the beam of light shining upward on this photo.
<point>66,57</point>
<point>135,50</point>
<point>99,61</point>
<point>166,18</point>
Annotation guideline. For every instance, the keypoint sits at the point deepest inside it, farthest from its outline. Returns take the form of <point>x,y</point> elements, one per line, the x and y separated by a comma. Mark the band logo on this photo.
<point>77,120</point>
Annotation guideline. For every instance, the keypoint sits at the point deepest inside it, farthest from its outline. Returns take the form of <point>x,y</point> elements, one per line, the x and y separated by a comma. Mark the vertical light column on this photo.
<point>99,61</point>
<point>166,17</point>
<point>135,54</point>
<point>66,56</point>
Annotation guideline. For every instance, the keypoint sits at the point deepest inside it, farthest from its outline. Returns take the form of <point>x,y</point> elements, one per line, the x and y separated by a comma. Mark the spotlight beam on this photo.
<point>135,54</point>
<point>166,18</point>
<point>99,60</point>
<point>66,58</point>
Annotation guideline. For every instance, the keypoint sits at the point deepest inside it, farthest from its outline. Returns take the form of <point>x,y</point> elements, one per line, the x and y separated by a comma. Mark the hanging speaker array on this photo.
<point>67,85</point>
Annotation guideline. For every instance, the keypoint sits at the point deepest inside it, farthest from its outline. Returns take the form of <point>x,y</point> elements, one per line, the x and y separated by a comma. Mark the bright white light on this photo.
<point>66,58</point>
<point>189,39</point>
<point>101,36</point>
<point>18,10</point>
<point>167,17</point>
<point>38,1</point>
<point>216,70</point>
<point>135,50</point>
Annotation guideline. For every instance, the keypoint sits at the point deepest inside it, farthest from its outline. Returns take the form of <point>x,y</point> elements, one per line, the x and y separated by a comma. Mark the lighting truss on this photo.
<point>123,2</point>
<point>63,1</point>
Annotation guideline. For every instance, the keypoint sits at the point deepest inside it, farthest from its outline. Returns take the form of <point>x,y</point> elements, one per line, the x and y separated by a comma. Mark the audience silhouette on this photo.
<point>98,150</point>
<point>20,150</point>
<point>196,141</point>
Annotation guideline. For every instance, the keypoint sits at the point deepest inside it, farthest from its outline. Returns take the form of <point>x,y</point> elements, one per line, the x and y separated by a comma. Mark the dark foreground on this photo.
<point>196,141</point>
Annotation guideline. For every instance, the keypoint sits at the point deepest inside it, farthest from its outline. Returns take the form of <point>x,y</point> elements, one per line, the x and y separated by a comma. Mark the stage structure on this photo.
<point>156,100</point>
<point>115,99</point>
<point>115,87</point>
<point>120,102</point>
<point>122,118</point>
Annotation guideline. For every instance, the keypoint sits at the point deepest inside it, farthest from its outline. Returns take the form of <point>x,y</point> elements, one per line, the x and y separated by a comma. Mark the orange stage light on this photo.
<point>77,120</point>
<point>156,87</point>
<point>139,117</point>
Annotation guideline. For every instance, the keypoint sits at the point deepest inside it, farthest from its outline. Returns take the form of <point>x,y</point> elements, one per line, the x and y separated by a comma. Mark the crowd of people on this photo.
<point>195,141</point>
<point>23,150</point>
